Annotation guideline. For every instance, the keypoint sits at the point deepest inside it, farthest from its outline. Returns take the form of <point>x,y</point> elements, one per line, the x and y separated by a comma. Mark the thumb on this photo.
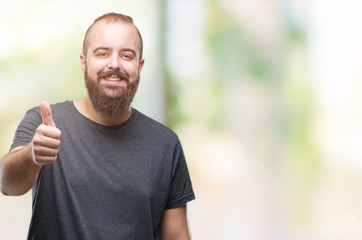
<point>46,113</point>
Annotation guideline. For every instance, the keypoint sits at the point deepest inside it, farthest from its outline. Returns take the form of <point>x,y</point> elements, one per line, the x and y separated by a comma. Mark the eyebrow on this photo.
<point>123,50</point>
<point>129,50</point>
<point>100,48</point>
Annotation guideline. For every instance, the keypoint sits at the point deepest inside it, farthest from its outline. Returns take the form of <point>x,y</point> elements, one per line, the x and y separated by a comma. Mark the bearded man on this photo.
<point>98,168</point>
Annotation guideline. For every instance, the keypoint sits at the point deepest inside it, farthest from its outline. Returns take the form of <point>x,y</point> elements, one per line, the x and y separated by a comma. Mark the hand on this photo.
<point>46,140</point>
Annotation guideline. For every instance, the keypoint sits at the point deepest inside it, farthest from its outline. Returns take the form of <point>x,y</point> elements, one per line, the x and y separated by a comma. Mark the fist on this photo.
<point>46,140</point>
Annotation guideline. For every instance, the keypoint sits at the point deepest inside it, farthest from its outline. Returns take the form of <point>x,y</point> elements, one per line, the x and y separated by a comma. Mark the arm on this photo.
<point>18,172</point>
<point>174,224</point>
<point>20,168</point>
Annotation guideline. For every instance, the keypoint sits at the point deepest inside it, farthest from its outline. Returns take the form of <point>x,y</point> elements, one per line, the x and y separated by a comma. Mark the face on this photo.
<point>111,66</point>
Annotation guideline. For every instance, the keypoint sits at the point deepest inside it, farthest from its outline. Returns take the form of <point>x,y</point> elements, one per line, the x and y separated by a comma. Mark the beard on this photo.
<point>118,100</point>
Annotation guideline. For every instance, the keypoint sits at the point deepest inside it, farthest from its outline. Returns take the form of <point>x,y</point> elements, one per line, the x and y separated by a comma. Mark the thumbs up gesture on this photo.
<point>46,140</point>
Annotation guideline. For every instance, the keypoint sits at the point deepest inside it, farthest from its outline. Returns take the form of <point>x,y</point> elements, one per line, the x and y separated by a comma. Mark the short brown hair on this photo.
<point>113,17</point>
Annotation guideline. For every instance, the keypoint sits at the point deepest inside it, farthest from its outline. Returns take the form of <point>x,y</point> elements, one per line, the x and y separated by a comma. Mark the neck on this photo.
<point>85,107</point>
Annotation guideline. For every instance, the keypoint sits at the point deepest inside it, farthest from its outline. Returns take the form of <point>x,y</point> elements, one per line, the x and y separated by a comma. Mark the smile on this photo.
<point>113,79</point>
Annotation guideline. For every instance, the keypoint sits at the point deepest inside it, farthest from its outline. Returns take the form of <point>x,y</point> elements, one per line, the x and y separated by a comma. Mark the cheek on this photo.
<point>130,68</point>
<point>95,67</point>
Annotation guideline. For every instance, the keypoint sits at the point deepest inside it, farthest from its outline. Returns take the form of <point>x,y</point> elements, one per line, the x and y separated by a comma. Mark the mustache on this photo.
<point>121,75</point>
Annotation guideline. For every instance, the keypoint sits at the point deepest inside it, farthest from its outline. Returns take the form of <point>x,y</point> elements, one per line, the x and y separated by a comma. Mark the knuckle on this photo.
<point>37,139</point>
<point>35,148</point>
<point>40,128</point>
<point>59,133</point>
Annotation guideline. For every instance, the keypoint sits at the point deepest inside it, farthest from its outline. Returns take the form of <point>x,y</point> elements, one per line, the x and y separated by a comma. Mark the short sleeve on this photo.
<point>181,190</point>
<point>26,129</point>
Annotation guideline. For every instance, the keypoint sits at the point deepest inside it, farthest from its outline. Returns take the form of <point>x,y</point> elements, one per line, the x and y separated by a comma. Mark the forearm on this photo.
<point>183,236</point>
<point>18,171</point>
<point>174,224</point>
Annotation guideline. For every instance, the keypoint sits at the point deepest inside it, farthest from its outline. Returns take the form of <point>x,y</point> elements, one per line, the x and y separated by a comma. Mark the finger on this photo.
<point>47,142</point>
<point>46,113</point>
<point>47,131</point>
<point>44,151</point>
<point>44,155</point>
<point>41,160</point>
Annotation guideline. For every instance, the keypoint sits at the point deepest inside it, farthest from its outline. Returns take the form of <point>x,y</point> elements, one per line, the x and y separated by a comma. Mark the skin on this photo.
<point>19,168</point>
<point>174,224</point>
<point>111,46</point>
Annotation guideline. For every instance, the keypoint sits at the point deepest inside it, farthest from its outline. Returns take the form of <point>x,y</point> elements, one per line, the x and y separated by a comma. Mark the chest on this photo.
<point>118,169</point>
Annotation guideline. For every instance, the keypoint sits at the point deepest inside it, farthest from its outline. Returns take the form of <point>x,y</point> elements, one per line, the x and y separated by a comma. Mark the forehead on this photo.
<point>113,35</point>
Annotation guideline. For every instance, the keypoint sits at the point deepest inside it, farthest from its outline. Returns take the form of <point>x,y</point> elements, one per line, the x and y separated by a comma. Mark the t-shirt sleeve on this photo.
<point>26,129</point>
<point>181,190</point>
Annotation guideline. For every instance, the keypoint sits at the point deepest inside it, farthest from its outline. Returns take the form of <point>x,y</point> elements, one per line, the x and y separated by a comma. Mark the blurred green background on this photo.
<point>264,94</point>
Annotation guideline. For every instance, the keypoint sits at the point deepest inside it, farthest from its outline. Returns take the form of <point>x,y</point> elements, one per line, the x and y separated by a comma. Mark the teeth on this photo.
<point>113,79</point>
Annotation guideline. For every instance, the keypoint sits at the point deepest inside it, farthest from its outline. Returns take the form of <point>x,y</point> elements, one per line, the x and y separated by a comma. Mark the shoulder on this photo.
<point>149,125</point>
<point>63,111</point>
<point>59,111</point>
<point>61,106</point>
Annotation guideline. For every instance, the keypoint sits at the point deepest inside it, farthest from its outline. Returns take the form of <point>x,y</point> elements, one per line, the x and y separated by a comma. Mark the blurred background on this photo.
<point>264,94</point>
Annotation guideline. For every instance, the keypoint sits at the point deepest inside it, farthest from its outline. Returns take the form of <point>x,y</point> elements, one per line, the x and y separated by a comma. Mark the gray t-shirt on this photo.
<point>109,182</point>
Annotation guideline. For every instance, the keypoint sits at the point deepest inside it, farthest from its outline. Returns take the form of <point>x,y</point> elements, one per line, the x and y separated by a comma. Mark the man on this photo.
<point>98,168</point>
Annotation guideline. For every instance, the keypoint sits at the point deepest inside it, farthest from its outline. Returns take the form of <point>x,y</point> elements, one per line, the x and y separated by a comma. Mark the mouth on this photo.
<point>113,78</point>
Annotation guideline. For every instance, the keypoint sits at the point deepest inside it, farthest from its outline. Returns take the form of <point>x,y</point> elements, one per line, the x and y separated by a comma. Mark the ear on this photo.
<point>140,65</point>
<point>83,61</point>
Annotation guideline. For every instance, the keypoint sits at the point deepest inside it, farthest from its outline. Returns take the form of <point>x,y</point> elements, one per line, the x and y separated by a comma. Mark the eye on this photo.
<point>127,56</point>
<point>101,54</point>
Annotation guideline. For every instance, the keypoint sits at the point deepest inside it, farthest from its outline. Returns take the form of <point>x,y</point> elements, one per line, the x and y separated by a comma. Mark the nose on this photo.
<point>114,62</point>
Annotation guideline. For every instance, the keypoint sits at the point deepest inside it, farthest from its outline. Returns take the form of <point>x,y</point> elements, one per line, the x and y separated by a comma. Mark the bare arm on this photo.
<point>20,168</point>
<point>174,224</point>
<point>18,172</point>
